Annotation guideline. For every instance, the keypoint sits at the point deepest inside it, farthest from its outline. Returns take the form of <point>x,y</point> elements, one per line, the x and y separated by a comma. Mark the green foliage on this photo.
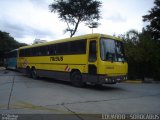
<point>7,43</point>
<point>142,54</point>
<point>75,11</point>
<point>143,49</point>
<point>154,20</point>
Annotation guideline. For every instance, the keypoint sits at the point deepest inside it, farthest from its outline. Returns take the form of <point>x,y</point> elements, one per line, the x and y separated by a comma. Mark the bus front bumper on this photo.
<point>112,79</point>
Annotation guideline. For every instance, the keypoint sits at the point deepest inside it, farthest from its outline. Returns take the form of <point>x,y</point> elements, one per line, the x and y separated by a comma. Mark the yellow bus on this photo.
<point>93,58</point>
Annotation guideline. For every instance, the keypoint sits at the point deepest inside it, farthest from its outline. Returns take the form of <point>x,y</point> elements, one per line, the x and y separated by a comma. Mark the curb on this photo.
<point>133,81</point>
<point>140,81</point>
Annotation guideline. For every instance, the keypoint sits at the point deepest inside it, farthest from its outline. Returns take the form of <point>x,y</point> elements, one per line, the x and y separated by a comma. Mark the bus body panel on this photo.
<point>48,63</point>
<point>11,63</point>
<point>61,66</point>
<point>113,68</point>
<point>11,59</point>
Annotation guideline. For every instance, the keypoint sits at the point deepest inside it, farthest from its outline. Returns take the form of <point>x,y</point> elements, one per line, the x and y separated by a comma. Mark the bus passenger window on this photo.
<point>92,51</point>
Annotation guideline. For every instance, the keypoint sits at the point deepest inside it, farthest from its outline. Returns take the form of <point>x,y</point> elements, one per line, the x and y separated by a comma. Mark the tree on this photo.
<point>141,50</point>
<point>92,25</point>
<point>142,55</point>
<point>7,43</point>
<point>154,19</point>
<point>75,11</point>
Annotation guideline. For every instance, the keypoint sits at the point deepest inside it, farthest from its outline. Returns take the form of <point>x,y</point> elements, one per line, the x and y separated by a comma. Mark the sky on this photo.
<point>27,20</point>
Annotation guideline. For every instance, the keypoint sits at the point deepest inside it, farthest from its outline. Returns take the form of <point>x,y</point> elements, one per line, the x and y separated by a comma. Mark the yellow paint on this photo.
<point>79,61</point>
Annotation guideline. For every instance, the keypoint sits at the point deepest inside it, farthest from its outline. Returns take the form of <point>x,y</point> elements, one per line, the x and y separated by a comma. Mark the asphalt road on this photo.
<point>22,95</point>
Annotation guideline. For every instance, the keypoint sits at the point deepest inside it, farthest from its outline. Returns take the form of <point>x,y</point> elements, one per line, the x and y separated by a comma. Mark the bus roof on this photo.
<point>11,51</point>
<point>90,36</point>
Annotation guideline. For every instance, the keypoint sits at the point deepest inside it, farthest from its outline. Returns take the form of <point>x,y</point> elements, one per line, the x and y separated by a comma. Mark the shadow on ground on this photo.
<point>106,87</point>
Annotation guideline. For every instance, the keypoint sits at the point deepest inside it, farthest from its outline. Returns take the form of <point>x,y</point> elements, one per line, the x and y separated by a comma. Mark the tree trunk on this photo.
<point>75,29</point>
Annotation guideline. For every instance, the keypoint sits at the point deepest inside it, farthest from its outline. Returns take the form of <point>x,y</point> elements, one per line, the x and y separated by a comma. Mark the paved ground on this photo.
<point>20,94</point>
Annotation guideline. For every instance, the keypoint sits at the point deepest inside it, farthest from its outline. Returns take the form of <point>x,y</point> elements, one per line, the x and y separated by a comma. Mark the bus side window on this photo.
<point>92,51</point>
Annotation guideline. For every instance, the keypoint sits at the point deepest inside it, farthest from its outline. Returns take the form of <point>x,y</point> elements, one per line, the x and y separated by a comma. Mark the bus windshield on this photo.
<point>112,50</point>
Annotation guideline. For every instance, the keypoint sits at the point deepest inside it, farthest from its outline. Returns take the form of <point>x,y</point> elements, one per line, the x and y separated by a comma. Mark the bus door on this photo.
<point>92,61</point>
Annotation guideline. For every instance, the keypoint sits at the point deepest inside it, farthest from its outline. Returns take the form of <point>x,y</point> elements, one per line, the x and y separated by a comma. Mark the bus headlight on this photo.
<point>106,79</point>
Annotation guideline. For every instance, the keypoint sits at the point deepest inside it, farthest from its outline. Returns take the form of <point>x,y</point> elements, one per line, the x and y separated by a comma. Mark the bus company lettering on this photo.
<point>56,58</point>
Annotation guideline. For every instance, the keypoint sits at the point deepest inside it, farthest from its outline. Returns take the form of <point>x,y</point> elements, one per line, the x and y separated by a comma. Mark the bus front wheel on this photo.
<point>76,79</point>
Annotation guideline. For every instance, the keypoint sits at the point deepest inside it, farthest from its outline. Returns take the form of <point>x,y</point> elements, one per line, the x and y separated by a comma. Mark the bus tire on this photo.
<point>76,79</point>
<point>28,72</point>
<point>16,69</point>
<point>34,73</point>
<point>98,85</point>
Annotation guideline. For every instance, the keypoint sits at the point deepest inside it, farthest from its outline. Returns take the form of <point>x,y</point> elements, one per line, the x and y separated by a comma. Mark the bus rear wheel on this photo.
<point>28,71</point>
<point>34,73</point>
<point>76,79</point>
